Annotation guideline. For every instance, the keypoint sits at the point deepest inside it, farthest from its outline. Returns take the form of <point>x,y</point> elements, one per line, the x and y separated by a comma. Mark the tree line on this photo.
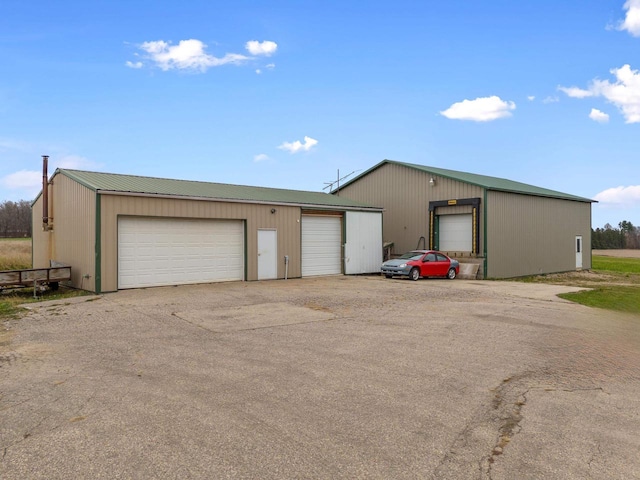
<point>625,236</point>
<point>15,219</point>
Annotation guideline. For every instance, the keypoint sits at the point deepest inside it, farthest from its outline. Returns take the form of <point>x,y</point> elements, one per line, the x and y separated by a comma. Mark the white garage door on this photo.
<point>363,248</point>
<point>456,233</point>
<point>321,245</point>
<point>169,251</point>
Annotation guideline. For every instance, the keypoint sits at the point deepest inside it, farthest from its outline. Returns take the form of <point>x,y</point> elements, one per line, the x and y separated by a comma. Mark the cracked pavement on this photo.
<point>336,377</point>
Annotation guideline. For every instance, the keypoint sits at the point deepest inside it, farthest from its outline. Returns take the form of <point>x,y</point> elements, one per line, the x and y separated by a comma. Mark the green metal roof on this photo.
<point>112,182</point>
<point>484,181</point>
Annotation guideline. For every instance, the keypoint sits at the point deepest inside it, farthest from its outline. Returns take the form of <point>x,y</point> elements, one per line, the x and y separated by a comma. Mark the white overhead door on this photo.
<point>363,248</point>
<point>321,245</point>
<point>456,233</point>
<point>168,251</point>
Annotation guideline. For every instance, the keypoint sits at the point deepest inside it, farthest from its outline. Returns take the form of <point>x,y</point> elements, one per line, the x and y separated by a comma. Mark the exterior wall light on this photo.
<point>432,181</point>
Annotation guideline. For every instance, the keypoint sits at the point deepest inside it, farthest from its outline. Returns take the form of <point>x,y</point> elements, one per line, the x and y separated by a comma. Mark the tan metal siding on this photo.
<point>405,193</point>
<point>72,240</point>
<point>286,220</point>
<point>529,235</point>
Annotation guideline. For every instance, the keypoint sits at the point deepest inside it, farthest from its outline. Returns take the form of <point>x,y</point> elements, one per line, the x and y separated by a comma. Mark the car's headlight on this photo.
<point>402,266</point>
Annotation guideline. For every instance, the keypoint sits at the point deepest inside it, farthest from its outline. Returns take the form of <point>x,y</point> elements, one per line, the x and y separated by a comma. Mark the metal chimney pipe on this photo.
<point>45,190</point>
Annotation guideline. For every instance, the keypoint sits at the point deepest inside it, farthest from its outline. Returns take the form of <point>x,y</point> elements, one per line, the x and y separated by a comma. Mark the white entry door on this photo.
<point>267,254</point>
<point>578,252</point>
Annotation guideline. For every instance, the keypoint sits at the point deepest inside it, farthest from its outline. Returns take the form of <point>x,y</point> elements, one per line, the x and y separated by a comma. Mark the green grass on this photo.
<point>620,298</point>
<point>614,284</point>
<point>614,264</point>
<point>10,301</point>
<point>8,310</point>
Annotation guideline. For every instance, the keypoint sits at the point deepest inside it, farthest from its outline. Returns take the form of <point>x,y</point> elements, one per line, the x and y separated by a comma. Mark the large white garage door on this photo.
<point>169,251</point>
<point>321,245</point>
<point>456,233</point>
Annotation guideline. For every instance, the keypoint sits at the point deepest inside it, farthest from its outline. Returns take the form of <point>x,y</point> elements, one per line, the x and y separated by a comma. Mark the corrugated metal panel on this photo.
<point>363,246</point>
<point>405,194</point>
<point>484,181</point>
<point>109,182</point>
<point>529,235</point>
<point>72,239</point>
<point>285,219</point>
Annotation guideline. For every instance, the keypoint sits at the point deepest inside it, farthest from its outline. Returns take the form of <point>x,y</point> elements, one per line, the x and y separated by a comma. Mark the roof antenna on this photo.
<point>337,182</point>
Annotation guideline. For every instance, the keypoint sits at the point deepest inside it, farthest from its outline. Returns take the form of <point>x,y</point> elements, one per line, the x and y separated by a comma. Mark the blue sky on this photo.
<point>283,93</point>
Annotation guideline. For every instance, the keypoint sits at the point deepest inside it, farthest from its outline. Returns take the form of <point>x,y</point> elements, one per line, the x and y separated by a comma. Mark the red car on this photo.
<point>422,263</point>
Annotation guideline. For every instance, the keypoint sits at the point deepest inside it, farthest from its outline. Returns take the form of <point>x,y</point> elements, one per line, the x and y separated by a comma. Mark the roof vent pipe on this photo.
<point>45,191</point>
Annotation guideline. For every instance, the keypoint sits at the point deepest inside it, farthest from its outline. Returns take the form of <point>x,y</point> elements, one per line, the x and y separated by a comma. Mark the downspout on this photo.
<point>591,236</point>
<point>286,267</point>
<point>98,246</point>
<point>485,233</point>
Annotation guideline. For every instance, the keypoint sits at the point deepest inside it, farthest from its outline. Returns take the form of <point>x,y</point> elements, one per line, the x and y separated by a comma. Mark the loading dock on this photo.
<point>507,228</point>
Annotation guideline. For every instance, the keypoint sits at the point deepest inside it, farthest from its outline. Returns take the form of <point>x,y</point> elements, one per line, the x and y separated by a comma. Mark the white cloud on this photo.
<point>31,180</point>
<point>297,146</point>
<point>261,157</point>
<point>631,23</point>
<point>624,93</point>
<point>598,116</point>
<point>531,98</point>
<point>625,196</point>
<point>268,66</point>
<point>482,109</point>
<point>75,162</point>
<point>27,179</point>
<point>187,55</point>
<point>576,92</point>
<point>192,55</point>
<point>12,144</point>
<point>266,48</point>
<point>550,99</point>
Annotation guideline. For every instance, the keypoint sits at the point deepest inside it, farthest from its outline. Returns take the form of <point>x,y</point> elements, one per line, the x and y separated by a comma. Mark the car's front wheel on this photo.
<point>451,274</point>
<point>414,274</point>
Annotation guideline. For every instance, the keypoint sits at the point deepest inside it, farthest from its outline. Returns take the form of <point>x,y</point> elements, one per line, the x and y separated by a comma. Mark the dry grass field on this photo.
<point>15,253</point>
<point>628,253</point>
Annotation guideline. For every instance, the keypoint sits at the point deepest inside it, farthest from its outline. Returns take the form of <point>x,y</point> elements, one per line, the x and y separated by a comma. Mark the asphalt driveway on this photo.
<point>338,377</point>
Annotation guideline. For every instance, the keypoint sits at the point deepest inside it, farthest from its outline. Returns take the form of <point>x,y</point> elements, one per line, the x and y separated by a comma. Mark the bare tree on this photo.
<point>15,219</point>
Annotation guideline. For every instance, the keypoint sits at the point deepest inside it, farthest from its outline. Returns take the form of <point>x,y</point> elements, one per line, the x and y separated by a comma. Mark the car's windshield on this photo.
<point>412,256</point>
